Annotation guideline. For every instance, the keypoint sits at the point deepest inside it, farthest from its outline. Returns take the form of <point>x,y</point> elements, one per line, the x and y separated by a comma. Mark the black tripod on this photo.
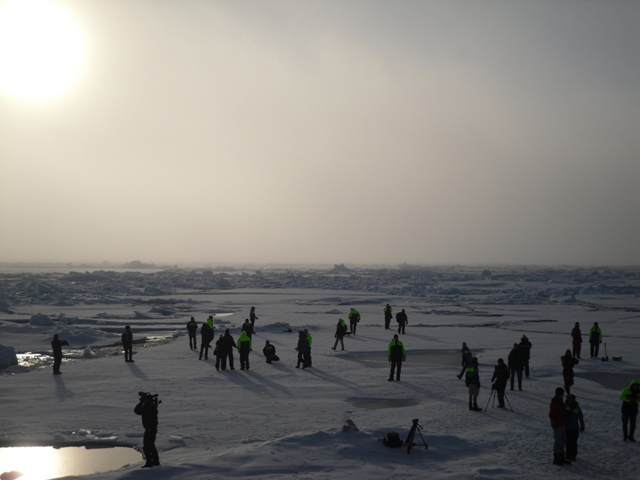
<point>494,394</point>
<point>409,441</point>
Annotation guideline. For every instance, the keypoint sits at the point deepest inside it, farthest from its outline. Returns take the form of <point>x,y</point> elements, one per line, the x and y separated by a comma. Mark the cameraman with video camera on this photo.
<point>147,407</point>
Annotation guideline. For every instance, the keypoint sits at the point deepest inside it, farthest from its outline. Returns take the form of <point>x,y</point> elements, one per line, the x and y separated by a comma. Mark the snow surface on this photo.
<point>276,421</point>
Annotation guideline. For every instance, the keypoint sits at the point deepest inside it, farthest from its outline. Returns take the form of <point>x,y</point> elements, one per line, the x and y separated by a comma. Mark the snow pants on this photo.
<point>572,435</point>
<point>629,424</point>
<point>559,440</point>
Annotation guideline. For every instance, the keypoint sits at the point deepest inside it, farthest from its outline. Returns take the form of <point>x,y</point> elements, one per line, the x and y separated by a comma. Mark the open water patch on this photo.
<point>379,403</point>
<point>610,380</point>
<point>45,462</point>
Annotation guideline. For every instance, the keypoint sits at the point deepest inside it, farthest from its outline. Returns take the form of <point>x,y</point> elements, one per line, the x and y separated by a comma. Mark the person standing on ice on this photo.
<point>630,397</point>
<point>354,318</point>
<point>499,381</point>
<point>466,359</point>
<point>246,327</point>
<point>192,329</point>
<point>595,339</point>
<point>388,315</point>
<point>244,346</point>
<point>307,353</point>
<point>574,424</point>
<point>227,345</point>
<point>525,352</point>
<point>557,418</point>
<point>402,319</point>
<point>252,319</point>
<point>217,351</point>
<point>515,365</point>
<point>56,345</point>
<point>568,362</point>
<point>472,381</point>
<point>206,337</point>
<point>303,344</point>
<point>127,344</point>
<point>576,336</point>
<point>341,331</point>
<point>147,407</point>
<point>396,354</point>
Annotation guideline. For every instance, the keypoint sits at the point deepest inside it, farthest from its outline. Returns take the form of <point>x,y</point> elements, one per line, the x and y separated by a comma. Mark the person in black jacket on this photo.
<point>341,331</point>
<point>396,354</point>
<point>56,345</point>
<point>252,319</point>
<point>515,365</point>
<point>499,381</point>
<point>206,334</point>
<point>269,352</point>
<point>147,407</point>
<point>226,350</point>
<point>402,319</point>
<point>127,344</point>
<point>217,351</point>
<point>525,351</point>
<point>568,362</point>
<point>303,345</point>
<point>192,329</point>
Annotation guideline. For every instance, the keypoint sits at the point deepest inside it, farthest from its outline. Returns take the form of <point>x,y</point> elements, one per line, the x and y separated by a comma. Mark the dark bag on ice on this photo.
<point>392,439</point>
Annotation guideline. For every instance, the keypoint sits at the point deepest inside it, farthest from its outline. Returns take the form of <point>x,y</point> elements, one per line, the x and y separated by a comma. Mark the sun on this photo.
<point>41,49</point>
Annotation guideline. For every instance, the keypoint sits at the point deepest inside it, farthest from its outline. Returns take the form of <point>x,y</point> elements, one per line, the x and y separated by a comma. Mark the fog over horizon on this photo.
<point>434,132</point>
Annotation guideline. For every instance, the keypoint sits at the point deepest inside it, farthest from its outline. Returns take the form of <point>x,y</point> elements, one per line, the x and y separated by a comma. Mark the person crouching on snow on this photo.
<point>472,381</point>
<point>270,352</point>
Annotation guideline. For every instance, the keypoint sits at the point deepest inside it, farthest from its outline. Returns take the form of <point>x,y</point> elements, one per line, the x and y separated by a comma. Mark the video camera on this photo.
<point>146,397</point>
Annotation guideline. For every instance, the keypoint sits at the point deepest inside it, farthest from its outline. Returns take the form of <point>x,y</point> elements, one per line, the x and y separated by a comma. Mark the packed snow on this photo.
<point>277,421</point>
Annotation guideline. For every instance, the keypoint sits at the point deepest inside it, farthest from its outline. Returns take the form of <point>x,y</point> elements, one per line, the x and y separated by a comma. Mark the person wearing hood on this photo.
<point>56,345</point>
<point>388,315</point>
<point>630,397</point>
<point>341,331</point>
<point>354,319</point>
<point>269,352</point>
<point>595,339</point>
<point>472,381</point>
<point>574,424</point>
<point>557,418</point>
<point>525,353</point>
<point>244,347</point>
<point>576,336</point>
<point>206,337</point>
<point>396,354</point>
<point>403,320</point>
<point>192,329</point>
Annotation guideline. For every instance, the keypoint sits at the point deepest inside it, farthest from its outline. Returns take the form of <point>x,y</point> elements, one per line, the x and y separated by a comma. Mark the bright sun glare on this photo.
<point>41,49</point>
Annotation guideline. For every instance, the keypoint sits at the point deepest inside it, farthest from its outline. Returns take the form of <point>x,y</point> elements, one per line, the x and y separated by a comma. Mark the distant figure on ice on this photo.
<point>472,381</point>
<point>56,345</point>
<point>354,318</point>
<point>307,353</point>
<point>341,331</point>
<point>574,424</point>
<point>630,397</point>
<point>127,344</point>
<point>557,418</point>
<point>466,359</point>
<point>396,354</point>
<point>226,350</point>
<point>147,407</point>
<point>244,347</point>
<point>402,319</point>
<point>499,381</point>
<point>388,315</point>
<point>525,353</point>
<point>252,319</point>
<point>568,362</point>
<point>516,365</point>
<point>206,337</point>
<point>270,352</point>
<point>192,329</point>
<point>576,336</point>
<point>246,327</point>
<point>595,339</point>
<point>302,347</point>
<point>217,351</point>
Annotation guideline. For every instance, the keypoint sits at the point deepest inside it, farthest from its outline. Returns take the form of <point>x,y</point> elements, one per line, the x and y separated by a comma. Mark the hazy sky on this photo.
<point>328,131</point>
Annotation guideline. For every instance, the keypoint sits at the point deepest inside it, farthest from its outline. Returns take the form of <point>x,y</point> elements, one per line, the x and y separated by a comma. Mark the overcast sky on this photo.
<point>425,132</point>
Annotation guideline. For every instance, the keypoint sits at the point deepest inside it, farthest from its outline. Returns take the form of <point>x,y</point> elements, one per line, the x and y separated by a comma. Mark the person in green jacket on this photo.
<point>630,397</point>
<point>244,347</point>
<point>396,355</point>
<point>354,318</point>
<point>595,339</point>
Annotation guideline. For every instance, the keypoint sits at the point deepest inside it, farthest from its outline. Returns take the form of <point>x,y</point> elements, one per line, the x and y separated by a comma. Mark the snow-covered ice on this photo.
<point>276,421</point>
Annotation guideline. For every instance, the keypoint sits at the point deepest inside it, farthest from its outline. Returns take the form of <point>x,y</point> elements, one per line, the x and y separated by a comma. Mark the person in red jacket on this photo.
<point>556,415</point>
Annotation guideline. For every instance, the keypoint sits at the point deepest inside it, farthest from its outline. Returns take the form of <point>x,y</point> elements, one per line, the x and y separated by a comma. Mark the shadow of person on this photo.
<point>62,391</point>
<point>136,371</point>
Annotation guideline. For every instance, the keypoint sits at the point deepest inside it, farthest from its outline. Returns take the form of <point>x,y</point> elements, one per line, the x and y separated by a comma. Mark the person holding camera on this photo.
<point>147,407</point>
<point>499,381</point>
<point>56,345</point>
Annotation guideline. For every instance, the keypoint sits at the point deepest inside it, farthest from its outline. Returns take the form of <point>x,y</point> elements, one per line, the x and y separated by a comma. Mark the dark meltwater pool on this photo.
<point>41,463</point>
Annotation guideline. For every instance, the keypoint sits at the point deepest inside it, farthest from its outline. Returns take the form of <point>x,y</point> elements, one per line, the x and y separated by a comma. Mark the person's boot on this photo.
<point>563,459</point>
<point>390,379</point>
<point>556,459</point>
<point>470,405</point>
<point>475,406</point>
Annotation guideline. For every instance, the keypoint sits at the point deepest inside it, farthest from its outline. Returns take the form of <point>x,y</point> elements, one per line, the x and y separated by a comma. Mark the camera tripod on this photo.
<point>494,394</point>
<point>409,441</point>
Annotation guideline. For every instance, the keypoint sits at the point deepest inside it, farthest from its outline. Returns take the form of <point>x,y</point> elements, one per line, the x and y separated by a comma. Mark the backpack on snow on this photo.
<point>392,439</point>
